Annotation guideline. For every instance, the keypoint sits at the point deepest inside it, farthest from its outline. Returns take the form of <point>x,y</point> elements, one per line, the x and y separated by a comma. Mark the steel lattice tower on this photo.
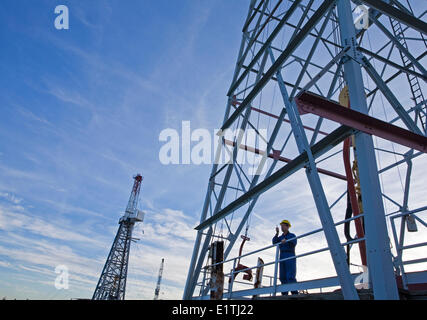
<point>159,280</point>
<point>309,51</point>
<point>112,283</point>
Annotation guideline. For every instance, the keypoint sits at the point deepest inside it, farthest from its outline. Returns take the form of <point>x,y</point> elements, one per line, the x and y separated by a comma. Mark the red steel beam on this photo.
<point>276,155</point>
<point>312,103</point>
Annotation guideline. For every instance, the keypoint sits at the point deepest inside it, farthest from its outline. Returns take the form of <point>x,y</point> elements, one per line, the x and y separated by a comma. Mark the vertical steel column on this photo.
<point>378,250</point>
<point>337,251</point>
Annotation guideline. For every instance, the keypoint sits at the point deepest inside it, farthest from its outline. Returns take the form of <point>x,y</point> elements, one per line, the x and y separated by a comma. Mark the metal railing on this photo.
<point>399,242</point>
<point>274,287</point>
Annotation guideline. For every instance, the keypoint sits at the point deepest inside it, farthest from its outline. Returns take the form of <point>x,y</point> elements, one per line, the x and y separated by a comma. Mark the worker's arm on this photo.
<point>291,242</point>
<point>276,237</point>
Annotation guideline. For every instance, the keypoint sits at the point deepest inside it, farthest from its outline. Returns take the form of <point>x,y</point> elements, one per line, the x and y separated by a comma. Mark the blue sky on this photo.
<point>80,113</point>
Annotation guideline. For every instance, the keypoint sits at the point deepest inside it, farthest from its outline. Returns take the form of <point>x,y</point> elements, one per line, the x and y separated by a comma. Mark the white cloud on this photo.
<point>168,233</point>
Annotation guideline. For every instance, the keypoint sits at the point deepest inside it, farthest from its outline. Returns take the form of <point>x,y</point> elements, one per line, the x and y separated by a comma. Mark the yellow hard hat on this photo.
<point>287,222</point>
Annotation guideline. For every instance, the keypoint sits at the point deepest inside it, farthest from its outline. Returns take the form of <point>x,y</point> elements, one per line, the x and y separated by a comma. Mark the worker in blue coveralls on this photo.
<point>288,268</point>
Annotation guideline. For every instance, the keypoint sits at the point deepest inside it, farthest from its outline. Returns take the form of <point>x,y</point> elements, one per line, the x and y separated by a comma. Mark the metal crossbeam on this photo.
<point>394,102</point>
<point>397,14</point>
<point>296,164</point>
<point>276,155</point>
<point>290,48</point>
<point>312,103</point>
